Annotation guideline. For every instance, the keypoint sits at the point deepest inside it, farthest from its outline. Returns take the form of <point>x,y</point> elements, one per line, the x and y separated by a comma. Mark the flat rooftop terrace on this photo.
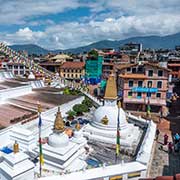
<point>24,107</point>
<point>10,84</point>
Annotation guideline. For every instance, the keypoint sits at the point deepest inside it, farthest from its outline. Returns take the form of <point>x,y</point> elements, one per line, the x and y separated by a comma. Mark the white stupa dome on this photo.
<point>58,140</point>
<point>112,113</point>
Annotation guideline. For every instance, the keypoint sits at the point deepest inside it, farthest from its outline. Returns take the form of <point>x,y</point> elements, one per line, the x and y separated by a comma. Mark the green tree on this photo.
<point>66,91</point>
<point>71,113</point>
<point>93,53</point>
<point>80,108</point>
<point>87,102</point>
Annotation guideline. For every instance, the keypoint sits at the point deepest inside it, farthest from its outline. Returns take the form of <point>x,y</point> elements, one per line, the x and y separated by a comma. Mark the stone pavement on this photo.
<point>164,163</point>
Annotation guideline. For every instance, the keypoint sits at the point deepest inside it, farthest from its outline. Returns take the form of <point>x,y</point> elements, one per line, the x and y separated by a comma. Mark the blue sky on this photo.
<point>62,24</point>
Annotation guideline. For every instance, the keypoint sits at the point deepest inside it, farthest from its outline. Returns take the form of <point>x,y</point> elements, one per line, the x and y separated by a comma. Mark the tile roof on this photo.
<point>73,65</point>
<point>124,66</point>
<point>133,76</point>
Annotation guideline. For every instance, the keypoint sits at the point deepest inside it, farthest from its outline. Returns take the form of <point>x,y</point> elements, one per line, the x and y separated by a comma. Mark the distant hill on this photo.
<point>30,48</point>
<point>155,42</point>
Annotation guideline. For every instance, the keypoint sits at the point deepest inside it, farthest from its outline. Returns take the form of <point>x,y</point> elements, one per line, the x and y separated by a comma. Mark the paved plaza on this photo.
<point>164,163</point>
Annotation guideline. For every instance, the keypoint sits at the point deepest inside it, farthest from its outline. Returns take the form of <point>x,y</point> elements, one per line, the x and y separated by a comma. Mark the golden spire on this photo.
<point>78,126</point>
<point>39,108</point>
<point>105,120</point>
<point>111,89</point>
<point>16,147</point>
<point>119,104</point>
<point>59,123</point>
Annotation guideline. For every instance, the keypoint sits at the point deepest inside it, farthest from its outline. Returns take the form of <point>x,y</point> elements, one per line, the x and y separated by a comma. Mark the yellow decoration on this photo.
<point>119,104</point>
<point>105,120</point>
<point>16,147</point>
<point>78,126</point>
<point>39,108</point>
<point>59,124</point>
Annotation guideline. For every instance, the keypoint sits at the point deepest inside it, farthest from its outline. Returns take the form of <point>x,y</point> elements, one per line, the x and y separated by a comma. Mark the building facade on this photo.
<point>143,84</point>
<point>72,70</point>
<point>93,69</point>
<point>17,68</point>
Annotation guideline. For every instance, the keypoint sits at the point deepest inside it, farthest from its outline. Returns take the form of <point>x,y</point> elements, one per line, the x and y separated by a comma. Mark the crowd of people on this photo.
<point>172,146</point>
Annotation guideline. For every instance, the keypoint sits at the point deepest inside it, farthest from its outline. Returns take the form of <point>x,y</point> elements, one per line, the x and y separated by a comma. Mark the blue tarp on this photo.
<point>6,150</point>
<point>144,89</point>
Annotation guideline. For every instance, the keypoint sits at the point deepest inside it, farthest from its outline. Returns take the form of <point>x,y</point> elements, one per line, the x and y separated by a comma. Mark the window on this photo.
<point>10,66</point>
<point>140,83</point>
<point>158,95</point>
<point>129,94</point>
<point>133,70</point>
<point>150,73</point>
<point>149,84</point>
<point>159,84</point>
<point>160,73</point>
<point>21,67</point>
<point>76,75</point>
<point>139,95</point>
<point>64,75</point>
<point>67,75</point>
<point>128,69</point>
<point>130,83</point>
<point>148,94</point>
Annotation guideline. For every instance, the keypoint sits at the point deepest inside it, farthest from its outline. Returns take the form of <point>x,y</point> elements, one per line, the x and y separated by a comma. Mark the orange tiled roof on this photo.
<point>173,65</point>
<point>124,66</point>
<point>73,65</point>
<point>133,76</point>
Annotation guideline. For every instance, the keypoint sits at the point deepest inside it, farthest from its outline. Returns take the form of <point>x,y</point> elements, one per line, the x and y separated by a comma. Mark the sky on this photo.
<point>63,24</point>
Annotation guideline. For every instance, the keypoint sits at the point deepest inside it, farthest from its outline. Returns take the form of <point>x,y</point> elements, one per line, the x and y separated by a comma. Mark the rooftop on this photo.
<point>133,76</point>
<point>73,65</point>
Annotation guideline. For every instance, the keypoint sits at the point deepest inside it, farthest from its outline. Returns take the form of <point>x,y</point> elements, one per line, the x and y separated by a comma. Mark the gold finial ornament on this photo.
<point>119,104</point>
<point>39,108</point>
<point>16,147</point>
<point>59,123</point>
<point>105,120</point>
<point>78,126</point>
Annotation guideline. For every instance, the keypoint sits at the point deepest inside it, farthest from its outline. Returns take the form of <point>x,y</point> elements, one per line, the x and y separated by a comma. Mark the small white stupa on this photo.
<point>31,76</point>
<point>16,166</point>
<point>64,153</point>
<point>104,125</point>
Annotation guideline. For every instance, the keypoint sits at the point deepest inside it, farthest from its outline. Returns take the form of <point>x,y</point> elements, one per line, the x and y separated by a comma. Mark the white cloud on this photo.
<point>17,12</point>
<point>123,19</point>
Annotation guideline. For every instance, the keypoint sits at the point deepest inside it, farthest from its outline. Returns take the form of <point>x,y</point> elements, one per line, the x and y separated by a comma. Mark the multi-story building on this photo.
<point>140,84</point>
<point>17,68</point>
<point>72,70</point>
<point>93,69</point>
<point>174,66</point>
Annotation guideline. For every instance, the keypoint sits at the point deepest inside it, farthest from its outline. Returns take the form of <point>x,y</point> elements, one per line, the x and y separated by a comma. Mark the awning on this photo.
<point>144,89</point>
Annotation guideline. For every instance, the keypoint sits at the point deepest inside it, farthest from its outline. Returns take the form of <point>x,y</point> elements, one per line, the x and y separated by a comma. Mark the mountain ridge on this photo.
<point>155,42</point>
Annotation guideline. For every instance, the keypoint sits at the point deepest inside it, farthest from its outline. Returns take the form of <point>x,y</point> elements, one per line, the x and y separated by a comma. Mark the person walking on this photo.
<point>170,147</point>
<point>157,134</point>
<point>165,139</point>
<point>176,138</point>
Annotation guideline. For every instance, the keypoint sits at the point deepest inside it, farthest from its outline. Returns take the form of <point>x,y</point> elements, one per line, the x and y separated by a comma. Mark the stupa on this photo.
<point>31,76</point>
<point>64,153</point>
<point>103,127</point>
<point>16,165</point>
